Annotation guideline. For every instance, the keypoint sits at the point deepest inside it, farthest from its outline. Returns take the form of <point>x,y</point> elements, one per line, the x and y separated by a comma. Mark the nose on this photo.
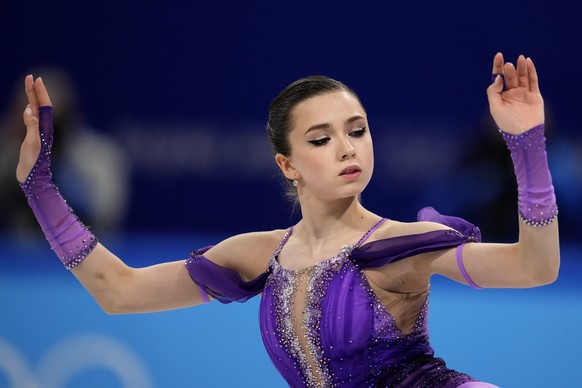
<point>347,150</point>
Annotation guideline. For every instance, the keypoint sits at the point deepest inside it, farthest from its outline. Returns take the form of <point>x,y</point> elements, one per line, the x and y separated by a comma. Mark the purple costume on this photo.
<point>329,325</point>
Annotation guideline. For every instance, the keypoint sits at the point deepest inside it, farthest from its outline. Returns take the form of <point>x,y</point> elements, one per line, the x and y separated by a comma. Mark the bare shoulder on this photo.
<point>397,229</point>
<point>248,253</point>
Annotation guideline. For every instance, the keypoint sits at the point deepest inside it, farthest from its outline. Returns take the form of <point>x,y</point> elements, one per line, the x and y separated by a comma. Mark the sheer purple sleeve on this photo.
<point>382,252</point>
<point>462,226</point>
<point>222,283</point>
<point>69,238</point>
<point>535,192</point>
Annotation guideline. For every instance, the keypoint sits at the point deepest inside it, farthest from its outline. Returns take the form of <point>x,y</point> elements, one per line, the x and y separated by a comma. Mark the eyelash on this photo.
<point>358,132</point>
<point>324,140</point>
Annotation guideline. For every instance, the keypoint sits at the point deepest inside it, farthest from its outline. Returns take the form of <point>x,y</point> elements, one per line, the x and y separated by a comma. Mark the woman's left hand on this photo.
<point>519,106</point>
<point>31,146</point>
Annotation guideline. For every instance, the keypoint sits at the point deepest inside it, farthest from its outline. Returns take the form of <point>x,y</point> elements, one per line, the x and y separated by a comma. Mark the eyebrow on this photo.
<point>328,125</point>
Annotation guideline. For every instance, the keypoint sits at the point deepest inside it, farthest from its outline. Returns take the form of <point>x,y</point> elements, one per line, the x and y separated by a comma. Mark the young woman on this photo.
<point>344,291</point>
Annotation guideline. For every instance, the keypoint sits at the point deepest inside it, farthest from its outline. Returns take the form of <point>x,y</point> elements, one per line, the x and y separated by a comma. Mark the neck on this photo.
<point>321,219</point>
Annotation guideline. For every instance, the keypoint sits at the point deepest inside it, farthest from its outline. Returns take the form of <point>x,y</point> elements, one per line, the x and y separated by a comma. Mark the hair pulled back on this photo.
<point>281,113</point>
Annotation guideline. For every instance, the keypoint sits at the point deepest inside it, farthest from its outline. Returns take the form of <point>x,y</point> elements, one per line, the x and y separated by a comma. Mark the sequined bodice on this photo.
<point>324,326</point>
<point>330,326</point>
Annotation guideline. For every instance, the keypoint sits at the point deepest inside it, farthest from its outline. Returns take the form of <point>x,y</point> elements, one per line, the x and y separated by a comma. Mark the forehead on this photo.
<point>326,108</point>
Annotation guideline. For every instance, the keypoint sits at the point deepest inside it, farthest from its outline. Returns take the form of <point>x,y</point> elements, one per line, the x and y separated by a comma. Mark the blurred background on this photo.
<point>160,111</point>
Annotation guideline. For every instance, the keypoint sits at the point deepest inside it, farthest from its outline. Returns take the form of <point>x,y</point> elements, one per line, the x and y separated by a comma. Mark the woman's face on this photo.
<point>331,148</point>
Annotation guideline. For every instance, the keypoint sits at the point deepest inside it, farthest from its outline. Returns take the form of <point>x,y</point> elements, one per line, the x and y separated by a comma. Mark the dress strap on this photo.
<point>369,232</point>
<point>283,241</point>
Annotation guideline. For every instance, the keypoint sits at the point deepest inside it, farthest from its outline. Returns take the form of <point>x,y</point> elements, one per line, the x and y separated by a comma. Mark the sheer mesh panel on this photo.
<point>404,307</point>
<point>300,322</point>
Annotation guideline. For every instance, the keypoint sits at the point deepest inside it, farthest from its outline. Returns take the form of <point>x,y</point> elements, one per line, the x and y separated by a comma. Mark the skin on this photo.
<point>332,214</point>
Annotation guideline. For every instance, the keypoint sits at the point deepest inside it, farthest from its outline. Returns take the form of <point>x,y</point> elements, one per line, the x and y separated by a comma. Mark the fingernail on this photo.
<point>28,111</point>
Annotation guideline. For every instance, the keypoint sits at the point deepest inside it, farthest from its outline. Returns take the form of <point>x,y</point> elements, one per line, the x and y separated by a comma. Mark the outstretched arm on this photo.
<point>116,287</point>
<point>517,107</point>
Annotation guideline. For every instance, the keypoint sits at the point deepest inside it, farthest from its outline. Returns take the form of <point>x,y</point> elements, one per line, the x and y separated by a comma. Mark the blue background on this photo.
<point>181,90</point>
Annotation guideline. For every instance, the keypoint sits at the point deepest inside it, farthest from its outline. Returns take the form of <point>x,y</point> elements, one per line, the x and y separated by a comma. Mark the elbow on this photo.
<point>113,296</point>
<point>111,308</point>
<point>550,276</point>
<point>544,279</point>
<point>113,304</point>
<point>119,305</point>
<point>546,274</point>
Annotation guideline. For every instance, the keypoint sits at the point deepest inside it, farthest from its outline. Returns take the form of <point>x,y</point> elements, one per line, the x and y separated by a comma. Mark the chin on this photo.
<point>354,193</point>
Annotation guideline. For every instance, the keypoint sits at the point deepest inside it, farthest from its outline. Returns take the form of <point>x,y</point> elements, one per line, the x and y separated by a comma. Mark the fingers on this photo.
<point>41,93</point>
<point>497,64</point>
<point>31,94</point>
<point>522,76</point>
<point>510,75</point>
<point>496,87</point>
<point>533,76</point>
<point>36,93</point>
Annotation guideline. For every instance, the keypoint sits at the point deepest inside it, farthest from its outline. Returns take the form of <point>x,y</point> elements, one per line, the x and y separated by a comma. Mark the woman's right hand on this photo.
<point>30,149</point>
<point>519,105</point>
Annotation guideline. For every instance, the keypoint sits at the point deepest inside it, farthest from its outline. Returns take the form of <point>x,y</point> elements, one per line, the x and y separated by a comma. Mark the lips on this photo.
<point>350,170</point>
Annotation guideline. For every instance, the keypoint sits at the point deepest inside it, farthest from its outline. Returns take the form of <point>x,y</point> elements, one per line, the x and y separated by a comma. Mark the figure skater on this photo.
<point>344,291</point>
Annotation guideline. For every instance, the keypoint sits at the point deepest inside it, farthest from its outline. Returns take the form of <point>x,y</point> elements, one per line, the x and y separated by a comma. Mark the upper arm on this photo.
<point>533,260</point>
<point>160,287</point>
<point>488,265</point>
<point>118,288</point>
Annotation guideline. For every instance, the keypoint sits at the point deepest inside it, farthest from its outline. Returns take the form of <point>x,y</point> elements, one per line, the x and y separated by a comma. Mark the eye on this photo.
<point>319,142</point>
<point>358,132</point>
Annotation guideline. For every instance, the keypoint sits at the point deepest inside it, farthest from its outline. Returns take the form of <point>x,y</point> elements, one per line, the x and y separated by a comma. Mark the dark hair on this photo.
<point>280,112</point>
<point>281,109</point>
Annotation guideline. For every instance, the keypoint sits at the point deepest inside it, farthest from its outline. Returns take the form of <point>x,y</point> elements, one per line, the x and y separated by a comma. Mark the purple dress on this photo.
<point>327,325</point>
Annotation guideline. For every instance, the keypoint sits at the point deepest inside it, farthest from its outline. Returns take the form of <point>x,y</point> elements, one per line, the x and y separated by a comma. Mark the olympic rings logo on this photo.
<point>70,357</point>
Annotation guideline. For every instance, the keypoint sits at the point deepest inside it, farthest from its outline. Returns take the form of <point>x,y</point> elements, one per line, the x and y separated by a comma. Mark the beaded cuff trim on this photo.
<point>80,255</point>
<point>540,223</point>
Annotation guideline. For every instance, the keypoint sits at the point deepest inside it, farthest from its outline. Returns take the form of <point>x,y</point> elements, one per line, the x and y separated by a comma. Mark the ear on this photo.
<point>286,167</point>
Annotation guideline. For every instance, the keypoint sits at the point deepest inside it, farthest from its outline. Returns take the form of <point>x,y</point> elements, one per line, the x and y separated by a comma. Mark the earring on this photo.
<point>295,183</point>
